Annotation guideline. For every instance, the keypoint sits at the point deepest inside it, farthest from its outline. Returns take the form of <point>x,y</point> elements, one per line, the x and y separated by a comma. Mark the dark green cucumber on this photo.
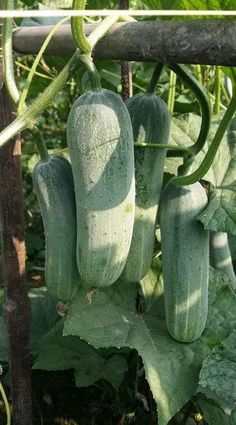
<point>100,141</point>
<point>53,184</point>
<point>220,256</point>
<point>151,122</point>
<point>185,260</point>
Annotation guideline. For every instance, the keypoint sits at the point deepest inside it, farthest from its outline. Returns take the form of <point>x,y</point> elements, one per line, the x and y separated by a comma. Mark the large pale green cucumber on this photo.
<point>185,260</point>
<point>53,184</point>
<point>220,256</point>
<point>151,122</point>
<point>100,141</point>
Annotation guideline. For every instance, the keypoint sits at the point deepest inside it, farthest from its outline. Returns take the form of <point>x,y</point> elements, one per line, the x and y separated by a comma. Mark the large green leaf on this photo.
<point>220,213</point>
<point>171,368</point>
<point>58,352</point>
<point>218,374</point>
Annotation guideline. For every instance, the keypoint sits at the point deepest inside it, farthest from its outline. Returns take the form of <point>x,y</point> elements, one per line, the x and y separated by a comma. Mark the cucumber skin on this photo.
<point>185,261</point>
<point>151,124</point>
<point>220,256</point>
<point>100,142</point>
<point>53,184</point>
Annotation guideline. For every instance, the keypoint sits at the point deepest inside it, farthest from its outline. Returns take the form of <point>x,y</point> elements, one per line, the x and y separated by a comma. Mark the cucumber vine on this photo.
<point>30,115</point>
<point>78,29</point>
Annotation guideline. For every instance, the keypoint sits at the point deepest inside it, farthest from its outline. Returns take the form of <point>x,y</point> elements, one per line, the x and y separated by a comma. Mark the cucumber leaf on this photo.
<point>104,320</point>
<point>57,352</point>
<point>218,374</point>
<point>220,214</point>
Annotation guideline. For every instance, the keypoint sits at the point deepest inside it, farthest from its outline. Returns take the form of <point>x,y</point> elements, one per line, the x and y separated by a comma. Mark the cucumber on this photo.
<point>151,123</point>
<point>53,184</point>
<point>100,142</point>
<point>220,256</point>
<point>185,261</point>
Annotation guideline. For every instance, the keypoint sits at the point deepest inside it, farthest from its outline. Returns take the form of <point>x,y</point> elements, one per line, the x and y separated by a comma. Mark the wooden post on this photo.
<point>126,72</point>
<point>17,305</point>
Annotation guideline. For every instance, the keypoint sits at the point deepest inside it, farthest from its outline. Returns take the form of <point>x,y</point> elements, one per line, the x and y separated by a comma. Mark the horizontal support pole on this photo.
<point>200,41</point>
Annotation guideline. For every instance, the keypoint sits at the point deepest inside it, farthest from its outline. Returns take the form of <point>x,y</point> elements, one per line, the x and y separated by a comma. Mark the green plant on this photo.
<point>132,315</point>
<point>185,260</point>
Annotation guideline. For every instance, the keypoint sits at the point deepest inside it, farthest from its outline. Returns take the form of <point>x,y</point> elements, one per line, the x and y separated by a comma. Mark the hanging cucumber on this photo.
<point>220,256</point>
<point>100,142</point>
<point>53,184</point>
<point>185,260</point>
<point>151,122</point>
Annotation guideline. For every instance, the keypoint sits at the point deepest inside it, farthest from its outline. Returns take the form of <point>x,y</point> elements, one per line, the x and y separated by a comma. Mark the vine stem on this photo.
<point>41,145</point>
<point>102,29</point>
<point>77,28</point>
<point>87,60</point>
<point>211,153</point>
<point>7,407</point>
<point>204,103</point>
<point>171,95</point>
<point>30,115</point>
<point>217,88</point>
<point>155,78</point>
<point>40,74</point>
<point>224,91</point>
<point>199,73</point>
<point>160,146</point>
<point>25,91</point>
<point>8,64</point>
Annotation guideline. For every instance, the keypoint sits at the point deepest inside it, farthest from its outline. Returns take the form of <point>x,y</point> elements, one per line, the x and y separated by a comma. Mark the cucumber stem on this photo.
<point>161,146</point>
<point>9,75</point>
<point>155,78</point>
<point>202,97</point>
<point>211,153</point>
<point>77,28</point>
<point>41,145</point>
<point>92,70</point>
